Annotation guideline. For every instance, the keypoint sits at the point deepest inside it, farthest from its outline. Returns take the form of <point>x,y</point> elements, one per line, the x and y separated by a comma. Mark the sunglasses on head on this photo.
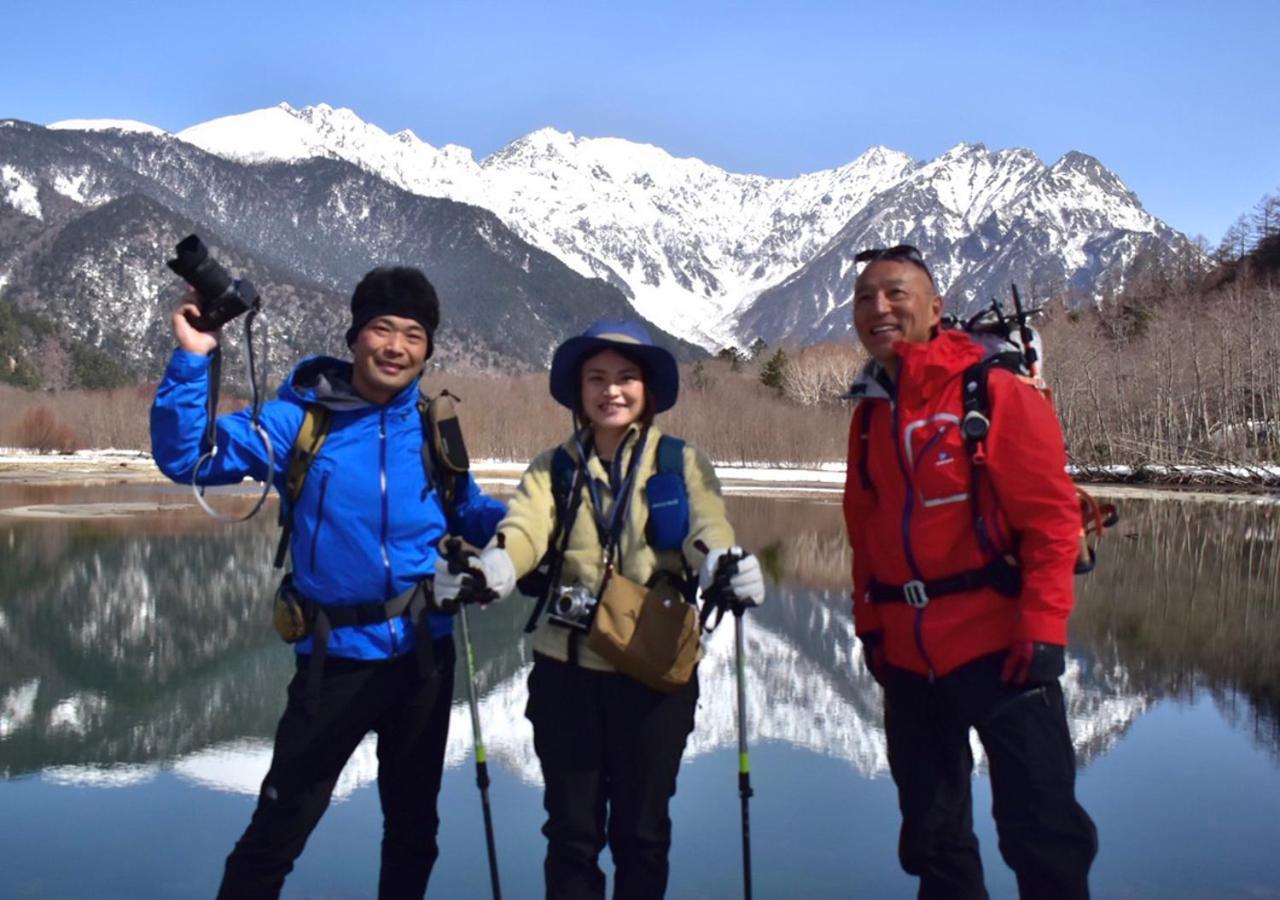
<point>899,253</point>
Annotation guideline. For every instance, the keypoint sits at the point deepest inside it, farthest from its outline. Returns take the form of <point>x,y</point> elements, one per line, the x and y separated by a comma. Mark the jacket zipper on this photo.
<point>315,535</point>
<point>386,557</point>
<point>908,508</point>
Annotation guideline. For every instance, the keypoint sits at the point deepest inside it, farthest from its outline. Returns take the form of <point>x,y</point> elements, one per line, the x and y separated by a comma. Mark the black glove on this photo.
<point>873,655</point>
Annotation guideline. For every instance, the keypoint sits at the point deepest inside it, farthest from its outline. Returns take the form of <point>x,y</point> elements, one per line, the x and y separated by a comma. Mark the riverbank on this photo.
<point>94,468</point>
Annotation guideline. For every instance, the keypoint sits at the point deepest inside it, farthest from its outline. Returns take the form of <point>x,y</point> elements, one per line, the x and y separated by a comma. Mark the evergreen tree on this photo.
<point>15,368</point>
<point>771,374</point>
<point>733,356</point>
<point>91,368</point>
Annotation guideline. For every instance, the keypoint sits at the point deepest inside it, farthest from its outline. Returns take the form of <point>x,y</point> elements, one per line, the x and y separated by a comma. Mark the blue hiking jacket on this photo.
<point>367,523</point>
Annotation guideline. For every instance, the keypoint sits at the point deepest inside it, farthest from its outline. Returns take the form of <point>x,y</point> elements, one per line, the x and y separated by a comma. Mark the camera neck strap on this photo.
<point>209,440</point>
<point>609,527</point>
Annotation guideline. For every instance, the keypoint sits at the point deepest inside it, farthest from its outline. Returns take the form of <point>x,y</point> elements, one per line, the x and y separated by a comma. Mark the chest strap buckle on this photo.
<point>915,595</point>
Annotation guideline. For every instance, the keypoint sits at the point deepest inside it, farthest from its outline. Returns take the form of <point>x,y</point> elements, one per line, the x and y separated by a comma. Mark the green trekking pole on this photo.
<point>482,765</point>
<point>454,553</point>
<point>444,452</point>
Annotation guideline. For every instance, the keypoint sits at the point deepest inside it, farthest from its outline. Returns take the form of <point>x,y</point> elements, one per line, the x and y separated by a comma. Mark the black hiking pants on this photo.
<point>610,750</point>
<point>1046,837</point>
<point>409,712</point>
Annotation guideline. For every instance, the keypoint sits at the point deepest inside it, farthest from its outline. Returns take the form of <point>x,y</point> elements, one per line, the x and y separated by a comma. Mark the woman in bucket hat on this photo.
<point>609,745</point>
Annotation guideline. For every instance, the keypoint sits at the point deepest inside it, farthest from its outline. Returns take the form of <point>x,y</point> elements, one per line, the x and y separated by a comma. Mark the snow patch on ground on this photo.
<point>19,192</point>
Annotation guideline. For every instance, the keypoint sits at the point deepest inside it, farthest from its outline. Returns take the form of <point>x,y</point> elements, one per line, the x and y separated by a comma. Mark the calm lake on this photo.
<point>140,683</point>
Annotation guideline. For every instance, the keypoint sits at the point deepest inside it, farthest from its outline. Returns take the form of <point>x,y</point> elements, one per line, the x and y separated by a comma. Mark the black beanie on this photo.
<point>401,291</point>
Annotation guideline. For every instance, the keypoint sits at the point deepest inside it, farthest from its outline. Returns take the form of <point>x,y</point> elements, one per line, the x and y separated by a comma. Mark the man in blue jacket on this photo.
<point>364,534</point>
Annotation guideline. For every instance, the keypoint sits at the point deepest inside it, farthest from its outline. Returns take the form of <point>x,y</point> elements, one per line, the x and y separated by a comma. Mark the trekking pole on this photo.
<point>721,595</point>
<point>482,765</point>
<point>455,555</point>
<point>744,763</point>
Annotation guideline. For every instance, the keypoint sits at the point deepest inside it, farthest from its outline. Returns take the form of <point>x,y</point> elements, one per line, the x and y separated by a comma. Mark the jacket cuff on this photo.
<point>1041,629</point>
<point>518,549</point>
<point>186,366</point>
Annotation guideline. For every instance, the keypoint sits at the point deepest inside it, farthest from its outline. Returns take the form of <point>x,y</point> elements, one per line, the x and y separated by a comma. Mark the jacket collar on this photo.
<point>922,369</point>
<point>327,381</point>
<point>872,383</point>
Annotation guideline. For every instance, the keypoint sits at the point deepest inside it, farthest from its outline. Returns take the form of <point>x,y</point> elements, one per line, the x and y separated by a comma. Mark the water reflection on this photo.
<point>1188,600</point>
<point>131,645</point>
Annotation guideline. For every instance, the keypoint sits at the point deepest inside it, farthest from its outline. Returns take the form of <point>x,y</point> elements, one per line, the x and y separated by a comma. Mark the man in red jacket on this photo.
<point>962,585</point>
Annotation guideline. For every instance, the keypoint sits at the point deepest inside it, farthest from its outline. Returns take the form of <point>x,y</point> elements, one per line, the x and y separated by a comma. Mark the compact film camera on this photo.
<point>222,297</point>
<point>572,607</point>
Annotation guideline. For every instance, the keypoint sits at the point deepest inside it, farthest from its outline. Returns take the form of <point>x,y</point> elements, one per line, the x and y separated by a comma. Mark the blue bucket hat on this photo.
<point>661,376</point>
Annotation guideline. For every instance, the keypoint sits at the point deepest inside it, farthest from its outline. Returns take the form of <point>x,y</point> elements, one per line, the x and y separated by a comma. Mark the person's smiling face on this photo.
<point>612,391</point>
<point>389,353</point>
<point>894,301</point>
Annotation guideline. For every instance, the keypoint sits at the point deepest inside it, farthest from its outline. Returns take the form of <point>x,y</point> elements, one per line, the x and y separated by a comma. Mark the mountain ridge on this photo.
<point>696,247</point>
<point>713,257</point>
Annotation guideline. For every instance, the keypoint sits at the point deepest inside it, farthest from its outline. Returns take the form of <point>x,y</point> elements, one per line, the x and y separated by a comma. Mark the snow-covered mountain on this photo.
<point>89,214</point>
<point>718,257</point>
<point>707,255</point>
<point>984,219</point>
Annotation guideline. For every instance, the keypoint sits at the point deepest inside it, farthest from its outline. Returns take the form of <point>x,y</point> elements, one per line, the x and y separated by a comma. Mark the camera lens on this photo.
<point>200,270</point>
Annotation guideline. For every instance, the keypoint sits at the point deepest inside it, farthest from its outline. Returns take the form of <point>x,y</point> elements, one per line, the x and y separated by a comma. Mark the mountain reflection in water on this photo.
<point>133,644</point>
<point>140,684</point>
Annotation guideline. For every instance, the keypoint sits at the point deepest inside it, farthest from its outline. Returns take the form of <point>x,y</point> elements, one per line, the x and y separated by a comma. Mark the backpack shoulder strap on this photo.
<point>671,456</point>
<point>444,452</point>
<point>668,525</point>
<point>975,424</point>
<point>563,469</point>
<point>975,397</point>
<point>863,413</point>
<point>546,575</point>
<point>306,447</point>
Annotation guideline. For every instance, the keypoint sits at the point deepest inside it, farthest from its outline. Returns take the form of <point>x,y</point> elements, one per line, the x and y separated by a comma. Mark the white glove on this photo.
<point>494,564</point>
<point>448,584</point>
<point>709,565</point>
<point>499,571</point>
<point>746,584</point>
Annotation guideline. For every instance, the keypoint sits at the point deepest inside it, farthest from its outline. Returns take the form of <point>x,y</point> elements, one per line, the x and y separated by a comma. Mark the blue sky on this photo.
<point>1178,98</point>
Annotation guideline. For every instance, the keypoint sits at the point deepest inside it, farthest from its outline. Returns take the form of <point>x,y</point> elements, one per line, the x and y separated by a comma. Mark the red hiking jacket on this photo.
<point>916,521</point>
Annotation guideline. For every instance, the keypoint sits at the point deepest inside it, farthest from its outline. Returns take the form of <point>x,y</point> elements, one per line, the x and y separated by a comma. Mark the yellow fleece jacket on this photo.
<point>527,526</point>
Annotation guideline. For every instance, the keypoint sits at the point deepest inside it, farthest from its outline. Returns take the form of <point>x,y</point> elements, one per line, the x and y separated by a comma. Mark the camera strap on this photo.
<point>209,440</point>
<point>609,528</point>
<point>566,515</point>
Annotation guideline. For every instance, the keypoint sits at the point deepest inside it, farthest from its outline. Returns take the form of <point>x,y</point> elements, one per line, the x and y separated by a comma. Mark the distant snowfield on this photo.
<point>129,125</point>
<point>758,479</point>
<point>97,466</point>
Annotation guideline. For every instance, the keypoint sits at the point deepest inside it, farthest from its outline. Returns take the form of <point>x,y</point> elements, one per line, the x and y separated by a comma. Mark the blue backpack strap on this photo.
<point>671,455</point>
<point>668,497</point>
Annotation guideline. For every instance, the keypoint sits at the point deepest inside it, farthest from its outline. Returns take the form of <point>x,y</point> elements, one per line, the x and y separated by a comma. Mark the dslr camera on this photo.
<point>572,607</point>
<point>222,297</point>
